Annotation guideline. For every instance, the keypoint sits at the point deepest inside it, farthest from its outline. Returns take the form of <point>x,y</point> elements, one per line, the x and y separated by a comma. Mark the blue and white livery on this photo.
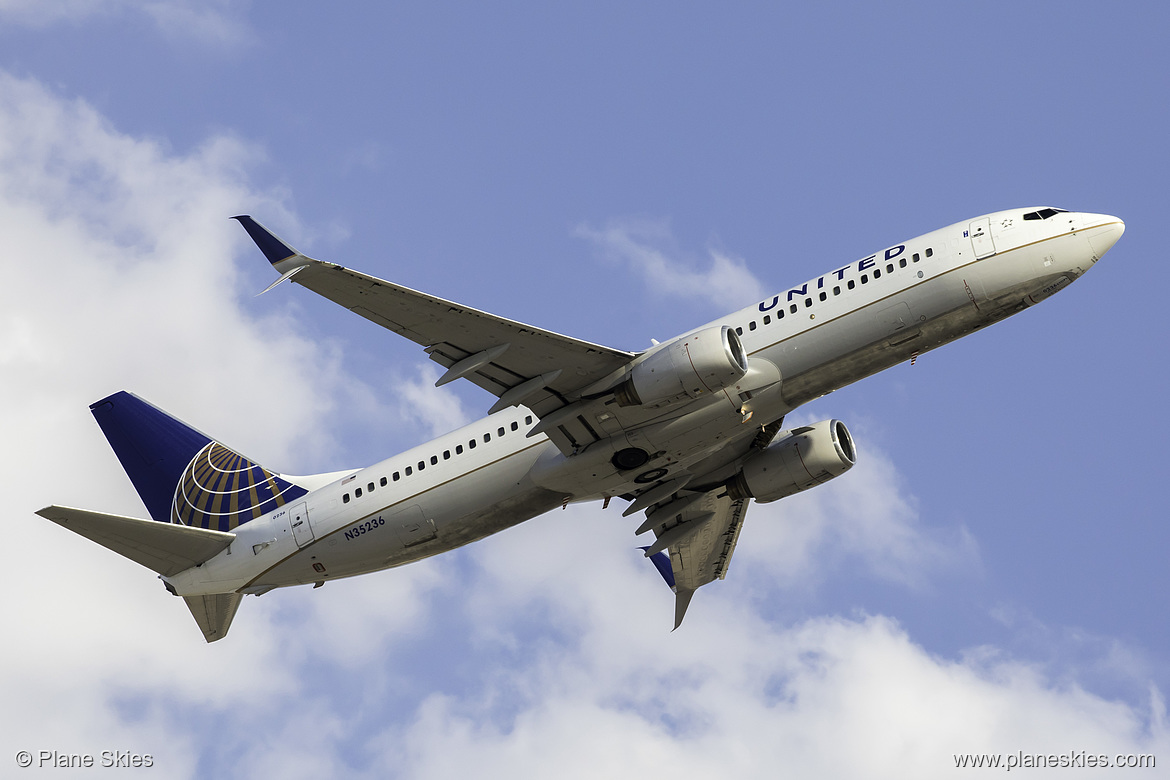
<point>687,432</point>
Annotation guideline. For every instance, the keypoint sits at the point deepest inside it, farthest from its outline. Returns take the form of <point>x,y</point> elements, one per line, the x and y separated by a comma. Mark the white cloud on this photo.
<point>437,409</point>
<point>120,272</point>
<point>602,689</point>
<point>206,21</point>
<point>648,247</point>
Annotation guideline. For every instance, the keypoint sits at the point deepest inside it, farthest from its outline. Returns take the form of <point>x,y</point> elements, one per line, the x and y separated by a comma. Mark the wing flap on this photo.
<point>165,548</point>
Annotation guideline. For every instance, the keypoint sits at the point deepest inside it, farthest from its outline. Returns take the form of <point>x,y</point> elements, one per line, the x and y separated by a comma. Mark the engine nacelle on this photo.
<point>804,459</point>
<point>704,362</point>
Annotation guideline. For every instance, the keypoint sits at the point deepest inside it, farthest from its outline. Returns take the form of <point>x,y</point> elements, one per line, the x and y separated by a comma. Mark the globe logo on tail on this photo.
<point>221,489</point>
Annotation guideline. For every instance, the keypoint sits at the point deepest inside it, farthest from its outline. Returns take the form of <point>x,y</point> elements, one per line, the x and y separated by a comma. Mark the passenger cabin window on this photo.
<point>767,319</point>
<point>929,252</point>
<point>752,325</point>
<point>357,493</point>
<point>515,426</point>
<point>434,460</point>
<point>458,449</point>
<point>916,257</point>
<point>499,431</point>
<point>408,471</point>
<point>739,331</point>
<point>370,487</point>
<point>394,476</point>
<point>345,498</point>
<point>792,309</point>
<point>382,482</point>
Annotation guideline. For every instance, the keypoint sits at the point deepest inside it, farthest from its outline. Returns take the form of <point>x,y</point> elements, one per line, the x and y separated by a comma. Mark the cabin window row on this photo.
<point>824,295</point>
<point>433,460</point>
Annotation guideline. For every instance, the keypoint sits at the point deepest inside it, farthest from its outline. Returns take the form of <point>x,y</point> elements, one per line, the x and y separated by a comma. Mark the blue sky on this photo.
<point>990,578</point>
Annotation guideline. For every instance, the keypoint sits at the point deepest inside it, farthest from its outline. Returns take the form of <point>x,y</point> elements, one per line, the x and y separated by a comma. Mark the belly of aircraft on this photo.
<point>403,534</point>
<point>859,360</point>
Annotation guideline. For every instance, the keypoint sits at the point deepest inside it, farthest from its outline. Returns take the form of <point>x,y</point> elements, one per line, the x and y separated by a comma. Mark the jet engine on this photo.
<point>805,458</point>
<point>703,362</point>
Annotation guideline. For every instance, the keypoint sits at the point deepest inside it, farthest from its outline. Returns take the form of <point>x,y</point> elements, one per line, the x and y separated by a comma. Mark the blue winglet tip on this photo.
<point>273,248</point>
<point>661,562</point>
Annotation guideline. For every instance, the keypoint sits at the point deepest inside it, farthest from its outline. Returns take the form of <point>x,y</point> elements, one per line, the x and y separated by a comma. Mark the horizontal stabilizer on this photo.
<point>214,613</point>
<point>166,548</point>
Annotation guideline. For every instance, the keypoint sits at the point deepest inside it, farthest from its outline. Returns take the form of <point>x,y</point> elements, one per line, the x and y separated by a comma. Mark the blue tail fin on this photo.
<point>184,476</point>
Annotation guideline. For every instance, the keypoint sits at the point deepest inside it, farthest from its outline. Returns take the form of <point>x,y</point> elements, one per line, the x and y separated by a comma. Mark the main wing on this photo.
<point>516,362</point>
<point>696,536</point>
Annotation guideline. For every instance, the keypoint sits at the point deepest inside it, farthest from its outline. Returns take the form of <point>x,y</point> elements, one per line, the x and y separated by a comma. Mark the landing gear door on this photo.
<point>298,517</point>
<point>981,238</point>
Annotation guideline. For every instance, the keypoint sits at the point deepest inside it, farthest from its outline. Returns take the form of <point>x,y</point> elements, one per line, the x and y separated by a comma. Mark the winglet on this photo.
<point>682,600</point>
<point>682,596</point>
<point>273,248</point>
<point>661,562</point>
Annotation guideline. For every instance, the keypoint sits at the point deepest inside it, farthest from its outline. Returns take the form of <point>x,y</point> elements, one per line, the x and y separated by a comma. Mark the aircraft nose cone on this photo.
<point>1105,233</point>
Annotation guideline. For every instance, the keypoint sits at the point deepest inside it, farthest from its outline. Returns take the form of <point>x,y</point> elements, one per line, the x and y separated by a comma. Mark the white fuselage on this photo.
<point>833,330</point>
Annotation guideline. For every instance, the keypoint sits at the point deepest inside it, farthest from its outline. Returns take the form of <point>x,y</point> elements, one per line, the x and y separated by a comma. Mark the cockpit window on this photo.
<point>1044,213</point>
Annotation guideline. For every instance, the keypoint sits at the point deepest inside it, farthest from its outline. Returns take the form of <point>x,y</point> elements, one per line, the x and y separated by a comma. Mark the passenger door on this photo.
<point>981,238</point>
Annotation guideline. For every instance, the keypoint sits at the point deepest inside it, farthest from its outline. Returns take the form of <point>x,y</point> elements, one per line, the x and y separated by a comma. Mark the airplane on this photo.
<point>688,431</point>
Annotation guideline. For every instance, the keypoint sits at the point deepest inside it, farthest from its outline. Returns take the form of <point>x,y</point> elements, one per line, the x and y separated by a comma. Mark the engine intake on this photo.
<point>703,362</point>
<point>805,458</point>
